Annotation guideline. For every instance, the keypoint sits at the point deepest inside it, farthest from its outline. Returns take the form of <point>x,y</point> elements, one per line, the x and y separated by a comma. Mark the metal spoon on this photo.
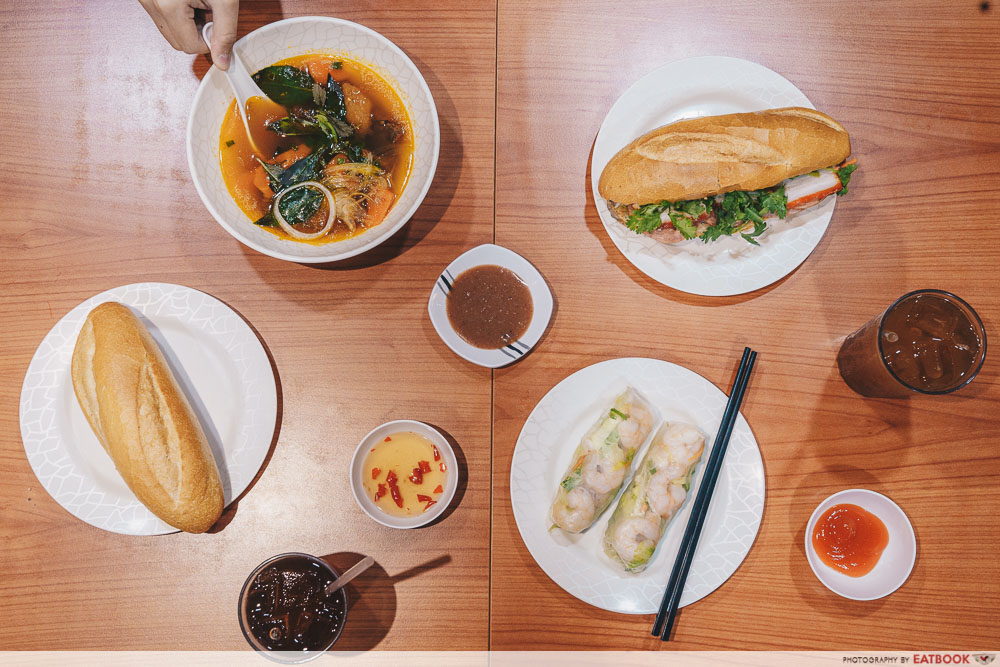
<point>346,577</point>
<point>245,89</point>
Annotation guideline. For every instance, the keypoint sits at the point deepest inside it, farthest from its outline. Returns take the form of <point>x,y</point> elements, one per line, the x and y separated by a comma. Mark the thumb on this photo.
<point>224,18</point>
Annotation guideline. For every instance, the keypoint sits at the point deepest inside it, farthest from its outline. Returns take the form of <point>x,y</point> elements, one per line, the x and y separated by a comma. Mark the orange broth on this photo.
<point>239,166</point>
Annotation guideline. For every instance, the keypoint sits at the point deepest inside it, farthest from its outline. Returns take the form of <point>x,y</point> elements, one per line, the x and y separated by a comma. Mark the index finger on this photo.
<point>225,14</point>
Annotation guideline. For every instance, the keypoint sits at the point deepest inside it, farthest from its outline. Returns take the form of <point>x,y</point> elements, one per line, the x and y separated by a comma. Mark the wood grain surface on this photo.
<point>918,86</point>
<point>93,111</point>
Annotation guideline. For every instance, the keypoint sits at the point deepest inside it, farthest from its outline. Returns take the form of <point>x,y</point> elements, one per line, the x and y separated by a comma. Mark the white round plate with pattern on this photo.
<point>218,361</point>
<point>706,86</point>
<point>292,37</point>
<point>577,562</point>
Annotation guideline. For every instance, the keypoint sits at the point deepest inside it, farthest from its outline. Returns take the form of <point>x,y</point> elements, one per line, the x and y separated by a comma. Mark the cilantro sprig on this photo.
<point>647,218</point>
<point>682,215</point>
<point>734,212</point>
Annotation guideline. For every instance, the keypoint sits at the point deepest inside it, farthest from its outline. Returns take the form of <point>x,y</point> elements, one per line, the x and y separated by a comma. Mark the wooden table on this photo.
<point>96,194</point>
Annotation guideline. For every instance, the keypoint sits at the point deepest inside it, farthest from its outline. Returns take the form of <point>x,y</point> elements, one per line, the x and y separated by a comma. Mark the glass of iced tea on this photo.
<point>928,341</point>
<point>285,612</point>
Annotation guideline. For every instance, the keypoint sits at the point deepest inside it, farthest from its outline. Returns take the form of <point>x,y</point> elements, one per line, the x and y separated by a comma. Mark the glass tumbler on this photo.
<point>926,342</point>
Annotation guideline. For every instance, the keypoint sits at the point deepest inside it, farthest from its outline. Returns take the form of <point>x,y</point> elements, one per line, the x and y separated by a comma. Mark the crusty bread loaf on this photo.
<point>706,156</point>
<point>143,420</point>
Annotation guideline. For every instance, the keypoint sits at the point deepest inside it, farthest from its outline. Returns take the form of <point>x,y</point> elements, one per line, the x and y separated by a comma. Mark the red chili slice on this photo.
<point>428,505</point>
<point>387,439</point>
<point>417,477</point>
<point>438,489</point>
<point>397,497</point>
<point>375,473</point>
<point>421,498</point>
<point>424,466</point>
<point>444,468</point>
<point>380,492</point>
<point>391,478</point>
<point>437,454</point>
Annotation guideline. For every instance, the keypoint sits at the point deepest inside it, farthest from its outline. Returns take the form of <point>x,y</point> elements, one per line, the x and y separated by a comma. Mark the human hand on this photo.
<point>175,20</point>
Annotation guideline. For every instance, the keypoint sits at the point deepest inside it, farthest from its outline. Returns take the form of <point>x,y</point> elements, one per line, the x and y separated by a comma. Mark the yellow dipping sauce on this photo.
<point>404,474</point>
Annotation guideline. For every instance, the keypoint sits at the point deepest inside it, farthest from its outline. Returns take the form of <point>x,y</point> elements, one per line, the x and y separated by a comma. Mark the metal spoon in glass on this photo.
<point>255,108</point>
<point>346,577</point>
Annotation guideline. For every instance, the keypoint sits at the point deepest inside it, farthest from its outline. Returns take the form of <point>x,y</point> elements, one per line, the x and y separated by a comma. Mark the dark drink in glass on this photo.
<point>928,341</point>
<point>284,609</point>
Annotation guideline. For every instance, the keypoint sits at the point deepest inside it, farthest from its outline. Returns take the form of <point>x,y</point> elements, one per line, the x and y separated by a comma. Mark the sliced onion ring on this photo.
<point>291,231</point>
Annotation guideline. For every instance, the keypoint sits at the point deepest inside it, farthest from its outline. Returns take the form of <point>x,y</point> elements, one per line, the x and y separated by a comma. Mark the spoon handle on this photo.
<point>346,578</point>
<point>239,78</point>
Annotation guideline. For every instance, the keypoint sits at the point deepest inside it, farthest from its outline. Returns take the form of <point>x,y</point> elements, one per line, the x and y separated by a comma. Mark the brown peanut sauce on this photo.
<point>489,306</point>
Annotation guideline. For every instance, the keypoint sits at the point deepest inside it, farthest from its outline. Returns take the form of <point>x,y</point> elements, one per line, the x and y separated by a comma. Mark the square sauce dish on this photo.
<point>490,306</point>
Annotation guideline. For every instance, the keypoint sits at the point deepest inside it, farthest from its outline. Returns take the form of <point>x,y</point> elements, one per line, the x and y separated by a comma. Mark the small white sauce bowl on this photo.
<point>293,37</point>
<point>378,435</point>
<point>541,298</point>
<point>896,563</point>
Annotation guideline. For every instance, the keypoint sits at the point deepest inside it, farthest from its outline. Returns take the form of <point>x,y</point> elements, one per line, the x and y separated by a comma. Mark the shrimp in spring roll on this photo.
<point>654,496</point>
<point>601,462</point>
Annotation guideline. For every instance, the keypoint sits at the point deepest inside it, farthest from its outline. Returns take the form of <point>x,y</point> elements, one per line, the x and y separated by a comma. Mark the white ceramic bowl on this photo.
<point>378,435</point>
<point>284,39</point>
<point>893,567</point>
<point>541,298</point>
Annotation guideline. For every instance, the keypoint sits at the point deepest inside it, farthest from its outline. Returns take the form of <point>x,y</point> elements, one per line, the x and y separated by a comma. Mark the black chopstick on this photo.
<point>672,595</point>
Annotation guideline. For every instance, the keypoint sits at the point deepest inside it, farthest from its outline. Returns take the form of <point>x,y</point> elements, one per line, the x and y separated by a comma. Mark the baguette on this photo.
<point>143,420</point>
<point>701,157</point>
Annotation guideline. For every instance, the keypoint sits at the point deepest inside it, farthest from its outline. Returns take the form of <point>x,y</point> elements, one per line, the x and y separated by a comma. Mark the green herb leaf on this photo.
<point>274,174</point>
<point>572,480</point>
<point>300,205</point>
<point>618,413</point>
<point>336,64</point>
<point>758,229</point>
<point>647,218</point>
<point>307,122</point>
<point>775,201</point>
<point>267,220</point>
<point>305,169</point>
<point>683,224</point>
<point>736,209</point>
<point>286,85</point>
<point>844,174</point>
<point>335,99</point>
<point>230,143</point>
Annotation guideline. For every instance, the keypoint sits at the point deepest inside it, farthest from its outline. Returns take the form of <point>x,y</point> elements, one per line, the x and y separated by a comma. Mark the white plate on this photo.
<point>691,88</point>
<point>577,562</point>
<point>284,39</point>
<point>896,563</point>
<point>220,364</point>
<point>541,297</point>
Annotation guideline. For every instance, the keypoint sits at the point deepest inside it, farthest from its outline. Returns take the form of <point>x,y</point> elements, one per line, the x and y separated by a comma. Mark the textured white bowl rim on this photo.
<point>541,297</point>
<point>333,256</point>
<point>447,455</point>
<point>881,507</point>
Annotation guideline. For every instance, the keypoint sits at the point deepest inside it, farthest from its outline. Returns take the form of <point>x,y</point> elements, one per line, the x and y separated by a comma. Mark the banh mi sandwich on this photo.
<point>721,175</point>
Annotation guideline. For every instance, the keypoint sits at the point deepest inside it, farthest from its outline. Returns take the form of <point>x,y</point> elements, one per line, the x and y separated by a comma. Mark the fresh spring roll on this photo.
<point>601,462</point>
<point>654,495</point>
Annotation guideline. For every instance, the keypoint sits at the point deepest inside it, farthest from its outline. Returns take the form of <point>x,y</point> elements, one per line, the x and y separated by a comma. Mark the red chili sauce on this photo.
<point>850,539</point>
